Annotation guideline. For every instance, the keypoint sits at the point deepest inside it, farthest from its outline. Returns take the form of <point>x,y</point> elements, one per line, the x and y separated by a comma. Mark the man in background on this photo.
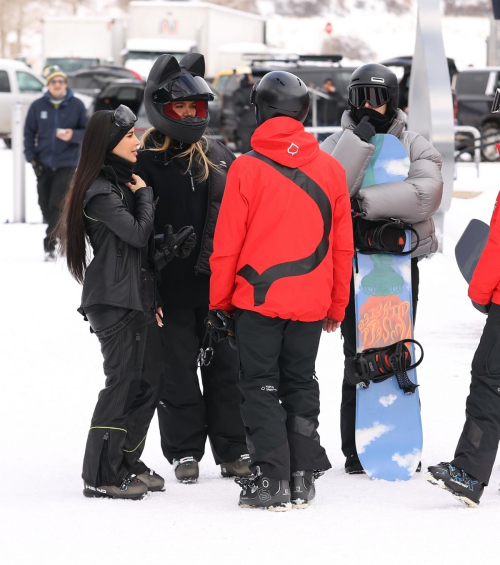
<point>328,108</point>
<point>53,133</point>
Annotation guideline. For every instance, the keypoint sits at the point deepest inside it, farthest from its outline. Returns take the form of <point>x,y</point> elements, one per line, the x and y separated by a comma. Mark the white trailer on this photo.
<point>76,42</point>
<point>178,28</point>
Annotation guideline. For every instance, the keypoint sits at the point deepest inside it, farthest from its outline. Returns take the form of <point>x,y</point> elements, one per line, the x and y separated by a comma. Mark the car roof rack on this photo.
<point>289,58</point>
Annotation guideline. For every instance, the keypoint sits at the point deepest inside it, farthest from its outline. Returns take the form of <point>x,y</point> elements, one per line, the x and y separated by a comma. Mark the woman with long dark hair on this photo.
<point>187,172</point>
<point>112,208</point>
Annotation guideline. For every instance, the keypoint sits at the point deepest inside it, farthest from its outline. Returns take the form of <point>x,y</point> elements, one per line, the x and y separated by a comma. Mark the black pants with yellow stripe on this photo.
<point>133,366</point>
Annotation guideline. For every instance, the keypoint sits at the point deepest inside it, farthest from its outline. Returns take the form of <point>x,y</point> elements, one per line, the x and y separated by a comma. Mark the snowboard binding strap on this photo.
<point>378,364</point>
<point>383,236</point>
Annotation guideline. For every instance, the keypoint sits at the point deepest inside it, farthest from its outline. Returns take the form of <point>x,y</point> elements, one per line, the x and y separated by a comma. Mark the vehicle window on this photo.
<point>472,82</point>
<point>84,82</point>
<point>28,83</point>
<point>69,65</point>
<point>221,83</point>
<point>4,82</point>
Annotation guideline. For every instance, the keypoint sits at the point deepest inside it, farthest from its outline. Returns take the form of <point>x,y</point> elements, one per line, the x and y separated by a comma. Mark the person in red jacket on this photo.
<point>470,471</point>
<point>282,263</point>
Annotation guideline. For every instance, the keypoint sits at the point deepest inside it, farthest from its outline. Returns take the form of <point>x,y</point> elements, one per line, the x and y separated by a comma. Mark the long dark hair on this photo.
<point>70,228</point>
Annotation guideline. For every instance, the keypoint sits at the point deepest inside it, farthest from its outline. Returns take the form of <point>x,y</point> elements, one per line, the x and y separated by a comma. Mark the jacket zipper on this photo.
<point>118,259</point>
<point>197,268</point>
<point>191,177</point>
<point>137,340</point>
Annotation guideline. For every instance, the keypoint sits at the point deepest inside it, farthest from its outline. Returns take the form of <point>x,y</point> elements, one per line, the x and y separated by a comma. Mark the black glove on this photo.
<point>483,308</point>
<point>38,168</point>
<point>220,325</point>
<point>364,130</point>
<point>168,245</point>
<point>186,247</point>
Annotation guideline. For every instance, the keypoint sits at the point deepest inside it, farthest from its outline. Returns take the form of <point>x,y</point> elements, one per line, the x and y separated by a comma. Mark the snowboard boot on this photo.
<point>258,491</point>
<point>238,468</point>
<point>131,489</point>
<point>152,480</point>
<point>353,466</point>
<point>302,487</point>
<point>462,485</point>
<point>186,470</point>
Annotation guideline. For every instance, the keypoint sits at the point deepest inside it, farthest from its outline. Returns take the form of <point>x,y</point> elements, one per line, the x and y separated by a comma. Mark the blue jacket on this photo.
<point>40,141</point>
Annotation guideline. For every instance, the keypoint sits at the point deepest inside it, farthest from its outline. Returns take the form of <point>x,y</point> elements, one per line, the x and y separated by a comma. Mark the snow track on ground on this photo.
<point>51,374</point>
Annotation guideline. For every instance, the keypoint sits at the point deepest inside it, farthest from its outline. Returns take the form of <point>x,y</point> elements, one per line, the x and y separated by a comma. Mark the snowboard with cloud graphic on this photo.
<point>388,425</point>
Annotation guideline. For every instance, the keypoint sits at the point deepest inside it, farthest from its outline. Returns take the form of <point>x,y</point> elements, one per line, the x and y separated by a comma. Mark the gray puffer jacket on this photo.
<point>413,200</point>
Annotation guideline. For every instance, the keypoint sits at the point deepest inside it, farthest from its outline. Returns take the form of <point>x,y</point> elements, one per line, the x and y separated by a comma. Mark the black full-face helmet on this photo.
<point>173,81</point>
<point>280,93</point>
<point>375,84</point>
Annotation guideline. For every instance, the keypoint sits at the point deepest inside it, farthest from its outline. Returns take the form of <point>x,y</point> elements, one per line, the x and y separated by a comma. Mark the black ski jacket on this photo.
<point>117,232</point>
<point>152,166</point>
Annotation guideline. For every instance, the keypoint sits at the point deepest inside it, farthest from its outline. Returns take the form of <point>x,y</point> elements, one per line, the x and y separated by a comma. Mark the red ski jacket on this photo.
<point>485,284</point>
<point>283,243</point>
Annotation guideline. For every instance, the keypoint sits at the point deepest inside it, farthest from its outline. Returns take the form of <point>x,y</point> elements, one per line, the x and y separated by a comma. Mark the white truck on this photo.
<point>178,28</point>
<point>76,42</point>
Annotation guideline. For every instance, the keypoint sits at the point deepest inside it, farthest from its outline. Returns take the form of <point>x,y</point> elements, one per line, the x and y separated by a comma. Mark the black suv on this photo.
<point>474,92</point>
<point>312,69</point>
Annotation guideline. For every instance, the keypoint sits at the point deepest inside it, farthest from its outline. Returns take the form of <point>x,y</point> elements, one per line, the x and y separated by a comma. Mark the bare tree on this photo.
<point>468,8</point>
<point>302,8</point>
<point>349,47</point>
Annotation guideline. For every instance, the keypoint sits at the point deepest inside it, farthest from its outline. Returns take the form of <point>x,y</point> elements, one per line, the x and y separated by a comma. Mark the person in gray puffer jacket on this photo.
<point>373,97</point>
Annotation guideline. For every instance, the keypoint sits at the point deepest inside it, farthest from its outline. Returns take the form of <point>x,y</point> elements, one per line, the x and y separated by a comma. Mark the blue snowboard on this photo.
<point>388,424</point>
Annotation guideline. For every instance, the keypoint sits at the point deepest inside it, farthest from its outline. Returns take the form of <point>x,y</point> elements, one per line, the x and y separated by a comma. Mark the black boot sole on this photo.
<point>280,507</point>
<point>442,485</point>
<point>188,480</point>
<point>94,494</point>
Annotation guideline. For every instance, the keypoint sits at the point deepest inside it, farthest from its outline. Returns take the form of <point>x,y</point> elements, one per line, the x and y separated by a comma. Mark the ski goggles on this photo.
<point>123,117</point>
<point>495,108</point>
<point>184,87</point>
<point>376,96</point>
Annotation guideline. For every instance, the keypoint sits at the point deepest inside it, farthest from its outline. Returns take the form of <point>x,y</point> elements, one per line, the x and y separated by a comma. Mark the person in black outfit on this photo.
<point>244,112</point>
<point>188,175</point>
<point>328,108</point>
<point>112,207</point>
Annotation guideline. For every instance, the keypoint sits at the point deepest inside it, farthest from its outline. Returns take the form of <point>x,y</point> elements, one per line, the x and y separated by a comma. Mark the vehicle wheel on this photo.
<point>489,133</point>
<point>8,142</point>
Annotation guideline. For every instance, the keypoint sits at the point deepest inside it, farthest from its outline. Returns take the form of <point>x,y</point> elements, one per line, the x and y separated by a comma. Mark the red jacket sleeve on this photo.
<point>230,234</point>
<point>486,277</point>
<point>342,252</point>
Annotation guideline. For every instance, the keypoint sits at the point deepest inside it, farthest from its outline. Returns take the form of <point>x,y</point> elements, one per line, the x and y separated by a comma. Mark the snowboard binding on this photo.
<point>380,363</point>
<point>384,236</point>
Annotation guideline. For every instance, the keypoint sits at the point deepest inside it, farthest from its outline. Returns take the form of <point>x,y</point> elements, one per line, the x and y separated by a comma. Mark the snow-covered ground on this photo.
<point>51,374</point>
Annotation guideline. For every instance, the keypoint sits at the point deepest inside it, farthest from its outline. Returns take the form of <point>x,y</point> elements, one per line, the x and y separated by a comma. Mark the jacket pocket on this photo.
<point>118,265</point>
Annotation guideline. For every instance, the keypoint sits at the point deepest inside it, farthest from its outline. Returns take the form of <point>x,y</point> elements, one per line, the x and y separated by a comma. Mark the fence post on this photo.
<point>18,117</point>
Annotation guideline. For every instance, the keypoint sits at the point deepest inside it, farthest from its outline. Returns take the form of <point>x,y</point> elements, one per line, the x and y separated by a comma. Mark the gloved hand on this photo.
<point>186,247</point>
<point>168,245</point>
<point>483,308</point>
<point>38,168</point>
<point>364,130</point>
<point>220,325</point>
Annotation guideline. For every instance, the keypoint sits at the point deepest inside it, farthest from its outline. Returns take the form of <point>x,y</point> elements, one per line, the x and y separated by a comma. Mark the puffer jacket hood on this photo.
<point>284,141</point>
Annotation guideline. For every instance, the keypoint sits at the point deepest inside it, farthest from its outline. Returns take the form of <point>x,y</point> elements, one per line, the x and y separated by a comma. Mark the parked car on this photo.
<point>18,83</point>
<point>402,67</point>
<point>312,69</point>
<point>474,92</point>
<point>91,80</point>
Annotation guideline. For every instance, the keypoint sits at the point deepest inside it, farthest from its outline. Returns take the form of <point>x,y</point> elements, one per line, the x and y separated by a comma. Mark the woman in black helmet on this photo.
<point>373,108</point>
<point>188,173</point>
<point>112,208</point>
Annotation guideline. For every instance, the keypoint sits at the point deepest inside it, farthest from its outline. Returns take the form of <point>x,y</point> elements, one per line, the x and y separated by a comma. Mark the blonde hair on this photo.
<point>196,152</point>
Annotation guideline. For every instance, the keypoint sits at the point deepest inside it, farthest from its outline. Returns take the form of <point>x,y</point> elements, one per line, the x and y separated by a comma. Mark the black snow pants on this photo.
<point>52,187</point>
<point>133,365</point>
<point>185,414</point>
<point>478,444</point>
<point>280,405</point>
<point>348,329</point>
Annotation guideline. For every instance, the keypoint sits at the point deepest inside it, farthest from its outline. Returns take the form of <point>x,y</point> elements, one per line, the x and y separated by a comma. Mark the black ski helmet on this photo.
<point>376,84</point>
<point>280,93</point>
<point>171,80</point>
